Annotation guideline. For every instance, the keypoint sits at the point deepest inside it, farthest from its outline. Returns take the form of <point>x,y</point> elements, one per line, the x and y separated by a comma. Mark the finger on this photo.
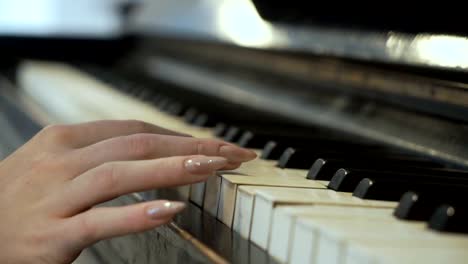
<point>118,178</point>
<point>107,222</point>
<point>150,146</point>
<point>84,134</point>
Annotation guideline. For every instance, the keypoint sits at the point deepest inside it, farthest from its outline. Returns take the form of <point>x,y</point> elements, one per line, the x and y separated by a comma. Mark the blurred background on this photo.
<point>61,17</point>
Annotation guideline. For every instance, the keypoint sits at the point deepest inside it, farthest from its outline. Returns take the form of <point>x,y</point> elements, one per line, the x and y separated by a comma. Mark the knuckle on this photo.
<point>46,163</point>
<point>87,232</point>
<point>139,145</point>
<point>199,147</point>
<point>139,126</point>
<point>58,133</point>
<point>107,178</point>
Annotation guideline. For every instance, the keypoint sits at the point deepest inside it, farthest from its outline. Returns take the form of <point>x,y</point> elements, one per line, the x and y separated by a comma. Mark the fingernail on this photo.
<point>236,154</point>
<point>163,210</point>
<point>204,165</point>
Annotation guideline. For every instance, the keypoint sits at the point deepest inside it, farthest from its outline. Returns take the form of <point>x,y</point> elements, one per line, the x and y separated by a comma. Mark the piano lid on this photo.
<point>238,22</point>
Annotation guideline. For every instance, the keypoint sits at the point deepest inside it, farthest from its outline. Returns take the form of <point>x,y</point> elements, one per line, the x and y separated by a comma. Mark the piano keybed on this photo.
<point>317,199</point>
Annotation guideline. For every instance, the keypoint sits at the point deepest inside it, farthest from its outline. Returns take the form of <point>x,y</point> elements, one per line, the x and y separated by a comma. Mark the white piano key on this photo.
<point>89,98</point>
<point>230,183</point>
<point>253,169</point>
<point>284,218</point>
<point>324,250</point>
<point>356,245</point>
<point>197,193</point>
<point>305,246</point>
<point>334,235</point>
<point>266,200</point>
<point>243,210</point>
<point>211,200</point>
<point>400,255</point>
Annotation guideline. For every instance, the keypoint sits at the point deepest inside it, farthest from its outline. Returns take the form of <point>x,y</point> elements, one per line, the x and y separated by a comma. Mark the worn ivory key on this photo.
<point>267,200</point>
<point>212,186</point>
<point>247,174</point>
<point>387,255</point>
<point>284,218</point>
<point>230,183</point>
<point>329,238</point>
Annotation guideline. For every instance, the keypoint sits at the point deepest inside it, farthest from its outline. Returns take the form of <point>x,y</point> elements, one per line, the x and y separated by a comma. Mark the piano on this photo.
<point>360,125</point>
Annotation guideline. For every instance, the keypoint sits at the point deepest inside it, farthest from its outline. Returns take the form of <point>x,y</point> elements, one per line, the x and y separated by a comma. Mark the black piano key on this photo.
<point>324,169</point>
<point>290,160</point>
<point>272,150</point>
<point>157,98</point>
<point>420,206</point>
<point>165,105</point>
<point>220,129</point>
<point>449,218</point>
<point>190,115</point>
<point>146,95</point>
<point>367,189</point>
<point>204,120</point>
<point>407,208</point>
<point>345,180</point>
<point>258,139</point>
<point>136,90</point>
<point>160,100</point>
<point>233,134</point>
<point>304,158</point>
<point>176,109</point>
<point>248,140</point>
<point>392,190</point>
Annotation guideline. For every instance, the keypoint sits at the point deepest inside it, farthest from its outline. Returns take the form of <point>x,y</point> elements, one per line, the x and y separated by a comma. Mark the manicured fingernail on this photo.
<point>236,154</point>
<point>165,209</point>
<point>204,165</point>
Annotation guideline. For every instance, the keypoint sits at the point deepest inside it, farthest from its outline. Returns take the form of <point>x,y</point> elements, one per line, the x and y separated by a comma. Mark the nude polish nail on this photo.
<point>166,209</point>
<point>204,165</point>
<point>236,154</point>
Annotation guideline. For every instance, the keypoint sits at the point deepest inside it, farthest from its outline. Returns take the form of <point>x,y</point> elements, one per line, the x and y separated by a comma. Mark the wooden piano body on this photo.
<point>218,69</point>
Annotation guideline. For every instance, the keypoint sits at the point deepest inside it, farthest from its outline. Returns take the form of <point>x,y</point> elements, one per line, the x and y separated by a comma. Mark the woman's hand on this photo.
<point>49,186</point>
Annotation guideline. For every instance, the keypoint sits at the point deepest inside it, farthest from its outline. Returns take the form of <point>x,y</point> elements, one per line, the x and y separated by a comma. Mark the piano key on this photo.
<point>243,209</point>
<point>272,150</point>
<point>220,130</point>
<point>176,109</point>
<point>277,145</point>
<point>190,115</point>
<point>332,236</point>
<point>284,218</point>
<point>212,194</point>
<point>204,120</point>
<point>165,104</point>
<point>392,190</point>
<point>213,184</point>
<point>368,254</point>
<point>249,140</point>
<point>346,180</point>
<point>233,134</point>
<point>230,183</point>
<point>197,193</point>
<point>259,137</point>
<point>449,218</point>
<point>207,194</point>
<point>146,95</point>
<point>324,169</point>
<point>304,158</point>
<point>267,200</point>
<point>420,206</point>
